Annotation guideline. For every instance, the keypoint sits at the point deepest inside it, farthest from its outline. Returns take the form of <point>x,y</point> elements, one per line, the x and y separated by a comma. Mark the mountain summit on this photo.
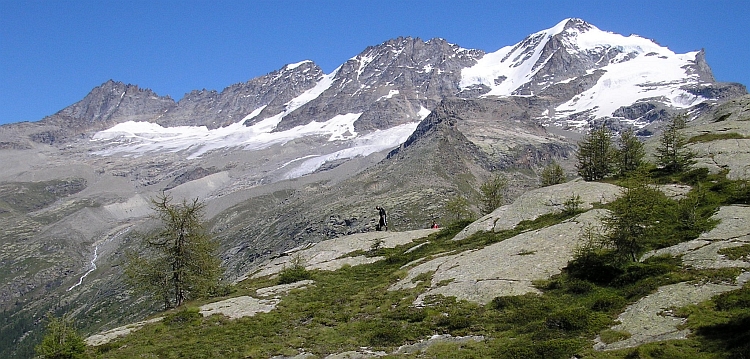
<point>590,74</point>
<point>298,156</point>
<point>576,73</point>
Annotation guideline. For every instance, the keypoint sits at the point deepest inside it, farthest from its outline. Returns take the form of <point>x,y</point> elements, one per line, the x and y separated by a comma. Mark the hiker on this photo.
<point>383,222</point>
<point>435,225</point>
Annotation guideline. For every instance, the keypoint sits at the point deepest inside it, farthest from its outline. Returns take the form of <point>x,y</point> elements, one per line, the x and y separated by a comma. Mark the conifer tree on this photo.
<point>633,218</point>
<point>491,193</point>
<point>595,154</point>
<point>672,154</point>
<point>458,208</point>
<point>61,341</point>
<point>631,153</point>
<point>180,264</point>
<point>552,174</point>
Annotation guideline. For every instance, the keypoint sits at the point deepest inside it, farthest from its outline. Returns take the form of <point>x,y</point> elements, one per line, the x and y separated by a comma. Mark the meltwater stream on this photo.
<point>93,268</point>
<point>96,256</point>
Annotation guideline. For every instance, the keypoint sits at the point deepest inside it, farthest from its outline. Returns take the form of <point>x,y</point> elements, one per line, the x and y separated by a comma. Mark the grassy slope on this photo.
<point>352,308</point>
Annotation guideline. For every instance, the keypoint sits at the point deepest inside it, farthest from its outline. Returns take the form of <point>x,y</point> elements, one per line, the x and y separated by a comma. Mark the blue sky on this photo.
<point>52,53</point>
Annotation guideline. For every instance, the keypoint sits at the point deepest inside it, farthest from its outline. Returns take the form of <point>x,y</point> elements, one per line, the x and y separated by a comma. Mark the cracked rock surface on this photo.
<point>733,230</point>
<point>504,268</point>
<point>237,307</point>
<point>649,319</point>
<point>541,201</point>
<point>333,253</point>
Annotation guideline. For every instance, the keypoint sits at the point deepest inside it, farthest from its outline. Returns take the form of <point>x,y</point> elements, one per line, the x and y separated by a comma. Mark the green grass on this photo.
<point>352,307</point>
<point>737,253</point>
<point>31,196</point>
<point>708,137</point>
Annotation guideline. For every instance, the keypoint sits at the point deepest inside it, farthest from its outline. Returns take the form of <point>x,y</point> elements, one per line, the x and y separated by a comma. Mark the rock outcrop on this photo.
<point>650,319</point>
<point>334,253</point>
<point>541,201</point>
<point>505,268</point>
<point>730,119</point>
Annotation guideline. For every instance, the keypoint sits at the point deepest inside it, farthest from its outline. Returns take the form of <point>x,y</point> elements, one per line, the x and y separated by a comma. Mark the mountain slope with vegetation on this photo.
<point>695,241</point>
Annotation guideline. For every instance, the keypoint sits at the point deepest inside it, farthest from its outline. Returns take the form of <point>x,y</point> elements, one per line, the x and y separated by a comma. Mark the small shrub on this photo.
<point>596,266</point>
<point>739,192</point>
<point>708,137</point>
<point>694,176</point>
<point>532,349</point>
<point>636,271</point>
<point>572,205</point>
<point>736,253</point>
<point>737,299</point>
<point>521,310</point>
<point>608,302</point>
<point>569,319</point>
<point>408,314</point>
<point>296,272</point>
<point>453,322</point>
<point>514,301</point>
<point>641,289</point>
<point>185,316</point>
<point>293,274</point>
<point>577,286</point>
<point>383,333</point>
<point>610,336</point>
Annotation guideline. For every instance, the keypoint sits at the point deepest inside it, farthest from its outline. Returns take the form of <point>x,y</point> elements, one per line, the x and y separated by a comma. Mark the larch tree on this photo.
<point>634,218</point>
<point>458,208</point>
<point>672,154</point>
<point>595,154</point>
<point>491,193</point>
<point>630,154</point>
<point>180,263</point>
<point>61,340</point>
<point>552,174</point>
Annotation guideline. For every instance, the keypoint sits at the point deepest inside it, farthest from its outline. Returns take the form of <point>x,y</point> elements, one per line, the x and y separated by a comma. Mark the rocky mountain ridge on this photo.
<point>297,156</point>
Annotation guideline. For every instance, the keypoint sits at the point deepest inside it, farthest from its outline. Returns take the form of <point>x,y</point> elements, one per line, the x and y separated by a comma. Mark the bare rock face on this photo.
<point>541,201</point>
<point>105,106</point>
<point>650,319</point>
<point>389,83</point>
<point>217,109</point>
<point>504,268</point>
<point>333,254</point>
<point>731,154</point>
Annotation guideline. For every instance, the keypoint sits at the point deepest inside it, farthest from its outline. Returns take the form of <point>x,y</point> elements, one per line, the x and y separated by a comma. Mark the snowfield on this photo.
<point>641,69</point>
<point>140,138</point>
<point>634,69</point>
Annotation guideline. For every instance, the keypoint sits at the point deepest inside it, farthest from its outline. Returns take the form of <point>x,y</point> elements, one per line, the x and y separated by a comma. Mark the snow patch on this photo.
<point>625,83</point>
<point>379,140</point>
<point>390,94</point>
<point>138,138</point>
<point>423,112</point>
<point>296,65</point>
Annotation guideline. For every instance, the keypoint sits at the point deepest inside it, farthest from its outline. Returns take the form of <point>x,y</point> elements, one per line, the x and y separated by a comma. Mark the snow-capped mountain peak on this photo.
<point>593,73</point>
<point>575,72</point>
